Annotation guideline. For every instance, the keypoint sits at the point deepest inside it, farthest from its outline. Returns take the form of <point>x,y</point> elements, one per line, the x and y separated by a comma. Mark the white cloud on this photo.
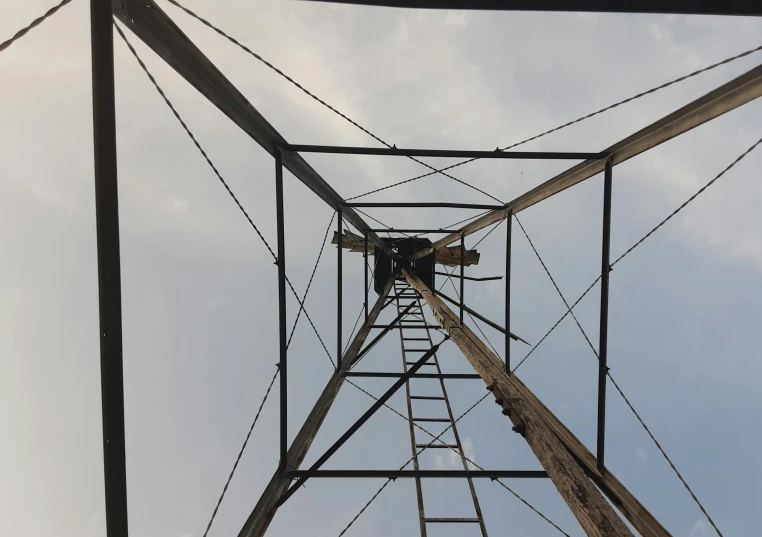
<point>451,460</point>
<point>468,449</point>
<point>457,18</point>
<point>700,529</point>
<point>179,204</point>
<point>641,455</point>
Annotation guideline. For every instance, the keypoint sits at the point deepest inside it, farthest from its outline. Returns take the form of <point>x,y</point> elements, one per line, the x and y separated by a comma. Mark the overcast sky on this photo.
<point>199,287</point>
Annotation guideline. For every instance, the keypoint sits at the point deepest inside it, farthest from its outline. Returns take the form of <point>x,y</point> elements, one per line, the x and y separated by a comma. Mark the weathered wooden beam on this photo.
<point>264,511</point>
<point>643,521</point>
<point>727,97</point>
<point>640,518</point>
<point>588,505</point>
<point>147,21</point>
<point>448,256</point>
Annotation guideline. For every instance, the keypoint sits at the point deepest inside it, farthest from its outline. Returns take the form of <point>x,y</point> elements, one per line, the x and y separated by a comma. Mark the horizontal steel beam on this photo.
<point>727,97</point>
<point>408,327</point>
<point>147,21</point>
<point>420,474</point>
<point>445,376</point>
<point>354,150</point>
<point>594,514</point>
<point>385,331</point>
<point>470,278</point>
<point>381,401</point>
<point>705,7</point>
<point>426,204</point>
<point>407,230</point>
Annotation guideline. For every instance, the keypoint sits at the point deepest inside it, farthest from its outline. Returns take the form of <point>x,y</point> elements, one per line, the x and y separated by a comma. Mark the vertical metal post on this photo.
<point>462,279</point>
<point>365,269</point>
<point>603,342</point>
<point>508,221</point>
<point>338,294</point>
<point>282,311</point>
<point>109,267</point>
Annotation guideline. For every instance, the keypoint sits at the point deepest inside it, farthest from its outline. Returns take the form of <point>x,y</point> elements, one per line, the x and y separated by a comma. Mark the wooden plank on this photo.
<point>727,97</point>
<point>264,511</point>
<point>148,22</point>
<point>641,519</point>
<point>448,256</point>
<point>588,505</point>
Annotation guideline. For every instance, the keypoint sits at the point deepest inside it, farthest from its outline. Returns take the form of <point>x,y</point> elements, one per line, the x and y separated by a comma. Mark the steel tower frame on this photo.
<point>580,476</point>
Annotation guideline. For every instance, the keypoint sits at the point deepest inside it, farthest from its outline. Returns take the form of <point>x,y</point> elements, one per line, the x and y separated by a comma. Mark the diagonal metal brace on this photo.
<point>481,317</point>
<point>364,418</point>
<point>383,333</point>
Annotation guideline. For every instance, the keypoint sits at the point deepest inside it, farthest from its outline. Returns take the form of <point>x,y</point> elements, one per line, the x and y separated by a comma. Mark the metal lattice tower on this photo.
<point>580,476</point>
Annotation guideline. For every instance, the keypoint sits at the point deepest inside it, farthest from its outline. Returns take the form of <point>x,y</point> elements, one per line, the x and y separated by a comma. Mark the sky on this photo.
<point>199,287</point>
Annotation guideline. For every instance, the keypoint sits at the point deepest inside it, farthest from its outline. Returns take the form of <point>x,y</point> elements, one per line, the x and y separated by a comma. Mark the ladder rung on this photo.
<point>436,446</point>
<point>440,420</point>
<point>413,363</point>
<point>428,397</point>
<point>415,339</point>
<point>450,520</point>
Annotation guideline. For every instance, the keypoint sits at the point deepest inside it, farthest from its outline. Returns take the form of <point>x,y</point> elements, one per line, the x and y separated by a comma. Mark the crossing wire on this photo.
<point>318,99</point>
<point>569,308</point>
<point>267,393</point>
<point>553,281</point>
<point>627,401</point>
<point>240,453</point>
<point>627,252</point>
<point>552,328</point>
<point>452,272</point>
<point>640,241</point>
<point>616,385</point>
<point>36,22</point>
<point>376,220</point>
<point>457,294</point>
<point>578,120</point>
<point>435,439</point>
<point>312,276</point>
<point>219,176</point>
<point>442,170</point>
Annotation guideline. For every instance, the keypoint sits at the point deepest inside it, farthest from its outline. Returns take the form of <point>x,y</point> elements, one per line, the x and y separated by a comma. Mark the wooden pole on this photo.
<point>263,513</point>
<point>594,514</point>
<point>731,95</point>
<point>156,29</point>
